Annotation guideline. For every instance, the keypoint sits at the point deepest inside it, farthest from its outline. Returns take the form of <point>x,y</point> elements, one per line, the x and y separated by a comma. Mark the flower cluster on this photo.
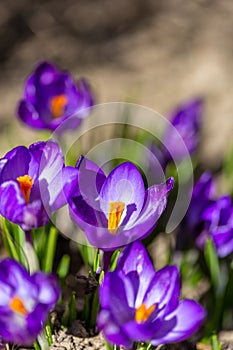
<point>116,211</point>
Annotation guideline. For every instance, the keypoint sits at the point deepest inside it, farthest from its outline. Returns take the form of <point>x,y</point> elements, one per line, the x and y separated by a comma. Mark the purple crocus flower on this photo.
<point>192,224</point>
<point>25,302</point>
<point>30,185</point>
<point>141,305</point>
<point>218,224</point>
<point>115,210</point>
<point>51,96</point>
<point>186,119</point>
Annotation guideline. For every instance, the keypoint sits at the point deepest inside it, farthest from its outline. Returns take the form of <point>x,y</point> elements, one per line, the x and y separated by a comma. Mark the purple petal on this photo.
<point>36,151</point>
<point>223,240</point>
<point>51,166</point>
<point>134,258</point>
<point>189,317</point>
<point>35,215</point>
<point>5,291</point>
<point>35,323</point>
<point>205,186</point>
<point>45,83</point>
<point>124,184</point>
<point>154,206</point>
<point>17,164</point>
<point>48,289</point>
<point>62,187</point>
<point>186,121</point>
<point>90,180</point>
<point>113,296</point>
<point>164,290</point>
<point>14,208</point>
<point>12,203</point>
<point>30,90</point>
<point>15,276</point>
<point>28,114</point>
<point>83,214</point>
<point>46,73</point>
<point>112,332</point>
<point>87,214</point>
<point>86,98</point>
<point>52,160</point>
<point>145,331</point>
<point>38,294</point>
<point>13,330</point>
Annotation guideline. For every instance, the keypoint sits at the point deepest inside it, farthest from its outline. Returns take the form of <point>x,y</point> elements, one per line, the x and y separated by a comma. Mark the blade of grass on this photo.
<point>8,241</point>
<point>50,251</point>
<point>63,267</point>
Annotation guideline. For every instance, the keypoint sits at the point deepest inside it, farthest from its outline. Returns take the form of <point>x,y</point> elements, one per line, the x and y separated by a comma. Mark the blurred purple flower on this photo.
<point>186,119</point>
<point>218,224</point>
<point>115,210</point>
<point>51,96</point>
<point>25,302</point>
<point>140,305</point>
<point>202,196</point>
<point>30,183</point>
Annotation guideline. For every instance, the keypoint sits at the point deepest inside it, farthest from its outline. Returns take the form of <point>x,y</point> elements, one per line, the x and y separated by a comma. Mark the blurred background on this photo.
<point>155,53</point>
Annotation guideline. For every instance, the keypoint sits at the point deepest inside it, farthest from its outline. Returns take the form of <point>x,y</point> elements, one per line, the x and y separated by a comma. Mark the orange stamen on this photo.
<point>142,313</point>
<point>25,184</point>
<point>114,216</point>
<point>17,305</point>
<point>57,105</point>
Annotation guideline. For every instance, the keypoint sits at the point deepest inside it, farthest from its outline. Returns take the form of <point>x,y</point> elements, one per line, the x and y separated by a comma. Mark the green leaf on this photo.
<point>108,346</point>
<point>96,264</point>
<point>48,334</point>
<point>86,310</point>
<point>40,242</point>
<point>9,241</point>
<point>114,259</point>
<point>88,254</point>
<point>215,344</point>
<point>63,267</point>
<point>212,263</point>
<point>43,341</point>
<point>94,309</point>
<point>50,251</point>
<point>36,345</point>
<point>70,314</point>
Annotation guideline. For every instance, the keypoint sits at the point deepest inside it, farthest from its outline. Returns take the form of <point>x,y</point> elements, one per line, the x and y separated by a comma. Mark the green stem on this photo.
<point>8,242</point>
<point>50,251</point>
<point>36,345</point>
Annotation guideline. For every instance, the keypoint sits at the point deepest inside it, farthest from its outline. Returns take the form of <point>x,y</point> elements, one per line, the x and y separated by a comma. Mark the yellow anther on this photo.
<point>57,105</point>
<point>17,305</point>
<point>25,184</point>
<point>114,216</point>
<point>142,313</point>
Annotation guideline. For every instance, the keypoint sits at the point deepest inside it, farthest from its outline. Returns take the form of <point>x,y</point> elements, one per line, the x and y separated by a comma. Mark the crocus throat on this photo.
<point>57,105</point>
<point>25,184</point>
<point>17,305</point>
<point>114,215</point>
<point>142,313</point>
